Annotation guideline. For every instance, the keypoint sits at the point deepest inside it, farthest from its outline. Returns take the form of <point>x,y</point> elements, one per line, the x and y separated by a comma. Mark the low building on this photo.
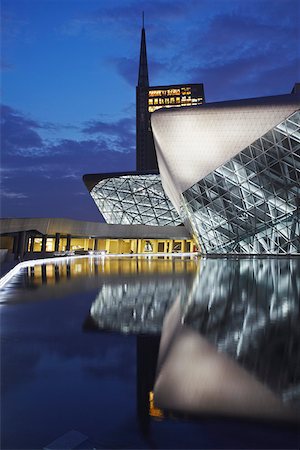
<point>28,238</point>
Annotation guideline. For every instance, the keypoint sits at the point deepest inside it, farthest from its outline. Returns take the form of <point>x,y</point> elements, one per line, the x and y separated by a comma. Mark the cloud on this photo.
<point>56,188</point>
<point>21,136</point>
<point>231,36</point>
<point>127,68</point>
<point>13,27</point>
<point>254,50</point>
<point>38,172</point>
<point>13,195</point>
<point>237,48</point>
<point>17,131</point>
<point>116,13</point>
<point>120,135</point>
<point>5,66</point>
<point>185,36</point>
<point>120,126</point>
<point>247,77</point>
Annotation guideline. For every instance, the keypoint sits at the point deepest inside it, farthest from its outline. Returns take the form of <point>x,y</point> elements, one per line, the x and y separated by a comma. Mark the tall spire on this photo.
<point>143,67</point>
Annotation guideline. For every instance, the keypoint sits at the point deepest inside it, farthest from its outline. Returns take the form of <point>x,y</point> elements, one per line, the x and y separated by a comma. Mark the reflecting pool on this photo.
<point>151,353</point>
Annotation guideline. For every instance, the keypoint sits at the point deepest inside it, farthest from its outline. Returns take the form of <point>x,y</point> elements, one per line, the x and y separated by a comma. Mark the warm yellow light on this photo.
<point>153,411</point>
<point>173,92</point>
<point>157,93</point>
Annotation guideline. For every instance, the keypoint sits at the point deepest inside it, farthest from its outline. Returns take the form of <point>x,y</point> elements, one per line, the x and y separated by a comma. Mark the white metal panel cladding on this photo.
<point>251,204</point>
<point>191,143</point>
<point>134,199</point>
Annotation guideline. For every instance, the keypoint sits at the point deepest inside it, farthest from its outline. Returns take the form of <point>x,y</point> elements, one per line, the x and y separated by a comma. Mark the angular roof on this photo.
<point>191,143</point>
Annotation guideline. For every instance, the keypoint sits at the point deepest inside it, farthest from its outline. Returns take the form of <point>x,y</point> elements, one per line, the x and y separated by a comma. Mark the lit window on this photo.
<point>178,100</point>
<point>156,101</point>
<point>150,101</point>
<point>173,92</point>
<point>167,101</point>
<point>50,245</point>
<point>157,93</point>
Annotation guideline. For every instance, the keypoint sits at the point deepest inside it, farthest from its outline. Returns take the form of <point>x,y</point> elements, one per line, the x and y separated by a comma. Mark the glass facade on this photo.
<point>251,204</point>
<point>134,199</point>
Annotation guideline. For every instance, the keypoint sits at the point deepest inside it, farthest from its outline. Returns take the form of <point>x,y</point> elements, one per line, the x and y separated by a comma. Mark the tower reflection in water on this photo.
<point>241,315</point>
<point>229,340</point>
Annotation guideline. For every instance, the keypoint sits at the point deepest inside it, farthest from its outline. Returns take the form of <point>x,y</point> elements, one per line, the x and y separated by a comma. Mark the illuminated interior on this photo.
<point>169,98</point>
<point>134,199</point>
<point>108,246</point>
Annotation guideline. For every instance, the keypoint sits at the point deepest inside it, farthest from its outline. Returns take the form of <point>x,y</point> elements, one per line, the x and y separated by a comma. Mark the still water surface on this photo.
<point>152,353</point>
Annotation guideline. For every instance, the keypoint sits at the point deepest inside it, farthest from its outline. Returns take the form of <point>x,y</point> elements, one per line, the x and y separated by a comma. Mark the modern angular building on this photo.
<point>232,171</point>
<point>229,171</point>
<point>138,197</point>
<point>128,198</point>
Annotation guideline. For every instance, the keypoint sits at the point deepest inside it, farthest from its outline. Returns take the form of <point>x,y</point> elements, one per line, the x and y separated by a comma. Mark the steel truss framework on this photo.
<point>134,199</point>
<point>251,204</point>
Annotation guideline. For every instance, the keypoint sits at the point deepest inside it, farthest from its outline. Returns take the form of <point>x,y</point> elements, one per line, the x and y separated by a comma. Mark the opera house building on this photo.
<point>229,171</point>
<point>232,172</point>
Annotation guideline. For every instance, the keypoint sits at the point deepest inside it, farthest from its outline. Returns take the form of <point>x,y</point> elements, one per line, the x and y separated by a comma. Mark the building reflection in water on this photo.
<point>250,310</point>
<point>230,343</point>
<point>58,272</point>
<point>242,310</point>
<point>56,279</point>
<point>193,377</point>
<point>136,306</point>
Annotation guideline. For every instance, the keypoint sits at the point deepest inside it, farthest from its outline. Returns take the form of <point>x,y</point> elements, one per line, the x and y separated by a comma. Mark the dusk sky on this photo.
<point>69,71</point>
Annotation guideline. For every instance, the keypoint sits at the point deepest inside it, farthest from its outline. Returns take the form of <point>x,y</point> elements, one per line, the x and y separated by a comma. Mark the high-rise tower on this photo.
<point>145,151</point>
<point>138,197</point>
<point>150,98</point>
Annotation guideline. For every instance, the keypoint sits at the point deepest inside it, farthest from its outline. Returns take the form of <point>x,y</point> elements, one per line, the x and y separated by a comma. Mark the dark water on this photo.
<point>152,353</point>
